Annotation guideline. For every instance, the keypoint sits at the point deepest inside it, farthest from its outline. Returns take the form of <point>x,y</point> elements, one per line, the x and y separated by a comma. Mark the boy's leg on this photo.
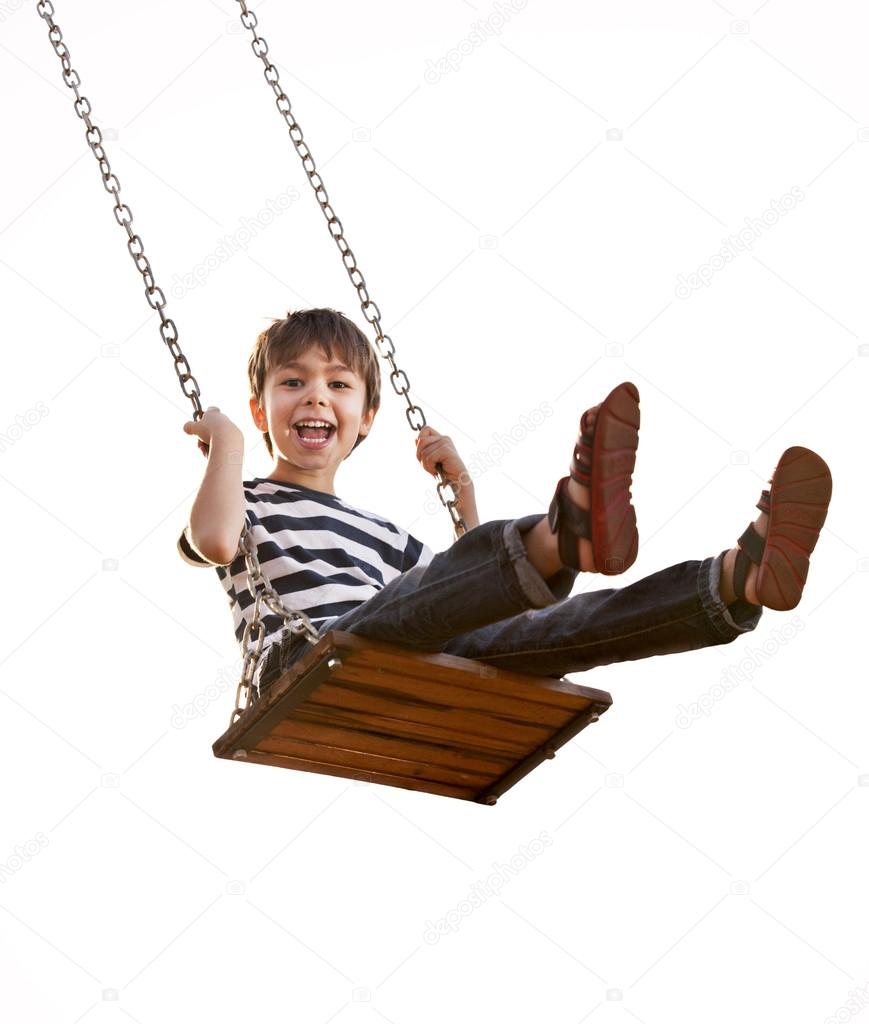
<point>690,605</point>
<point>677,609</point>
<point>483,577</point>
<point>483,599</point>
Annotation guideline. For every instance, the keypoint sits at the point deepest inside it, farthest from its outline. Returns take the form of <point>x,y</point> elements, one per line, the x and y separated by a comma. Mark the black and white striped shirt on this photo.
<point>323,556</point>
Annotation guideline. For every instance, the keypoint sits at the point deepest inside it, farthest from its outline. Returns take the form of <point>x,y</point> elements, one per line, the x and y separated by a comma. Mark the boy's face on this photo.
<point>314,388</point>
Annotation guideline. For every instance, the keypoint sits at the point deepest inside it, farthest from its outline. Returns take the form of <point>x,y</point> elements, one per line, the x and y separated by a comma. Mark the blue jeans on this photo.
<point>482,598</point>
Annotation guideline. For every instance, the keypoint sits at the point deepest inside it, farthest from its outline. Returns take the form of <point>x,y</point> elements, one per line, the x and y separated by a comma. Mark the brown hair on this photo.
<point>291,337</point>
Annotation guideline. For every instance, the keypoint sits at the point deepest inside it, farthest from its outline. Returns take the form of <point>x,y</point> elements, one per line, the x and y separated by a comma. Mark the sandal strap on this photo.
<point>580,468</point>
<point>568,520</point>
<point>752,543</point>
<point>740,573</point>
<point>750,549</point>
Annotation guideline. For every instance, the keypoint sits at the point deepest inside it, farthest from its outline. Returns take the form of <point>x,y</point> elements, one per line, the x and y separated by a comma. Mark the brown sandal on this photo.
<point>603,460</point>
<point>796,504</point>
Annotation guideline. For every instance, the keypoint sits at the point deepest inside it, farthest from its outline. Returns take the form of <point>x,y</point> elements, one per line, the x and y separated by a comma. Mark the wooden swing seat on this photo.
<point>368,711</point>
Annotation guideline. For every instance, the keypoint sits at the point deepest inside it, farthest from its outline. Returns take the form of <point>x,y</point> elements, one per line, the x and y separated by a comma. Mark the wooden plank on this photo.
<point>373,741</point>
<point>457,731</point>
<point>555,742</point>
<point>378,778</point>
<point>373,762</point>
<point>337,694</point>
<point>415,691</point>
<point>443,668</point>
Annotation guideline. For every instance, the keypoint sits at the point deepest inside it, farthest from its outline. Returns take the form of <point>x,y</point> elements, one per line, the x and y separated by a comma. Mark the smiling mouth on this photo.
<point>314,438</point>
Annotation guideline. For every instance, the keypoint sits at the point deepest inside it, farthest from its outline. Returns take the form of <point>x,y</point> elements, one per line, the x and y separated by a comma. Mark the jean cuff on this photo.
<point>538,592</point>
<point>728,621</point>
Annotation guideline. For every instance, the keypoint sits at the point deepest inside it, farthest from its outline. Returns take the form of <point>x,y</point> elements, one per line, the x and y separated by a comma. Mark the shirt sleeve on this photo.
<point>416,553</point>
<point>191,555</point>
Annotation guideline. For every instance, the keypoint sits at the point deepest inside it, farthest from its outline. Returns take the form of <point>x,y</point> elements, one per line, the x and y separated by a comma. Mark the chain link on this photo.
<point>297,622</point>
<point>123,213</point>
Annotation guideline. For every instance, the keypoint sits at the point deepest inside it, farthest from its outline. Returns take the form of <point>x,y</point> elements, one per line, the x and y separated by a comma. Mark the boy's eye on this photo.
<point>292,380</point>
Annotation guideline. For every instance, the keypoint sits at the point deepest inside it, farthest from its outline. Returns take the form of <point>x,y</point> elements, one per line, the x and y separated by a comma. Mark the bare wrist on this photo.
<point>227,445</point>
<point>229,437</point>
<point>464,487</point>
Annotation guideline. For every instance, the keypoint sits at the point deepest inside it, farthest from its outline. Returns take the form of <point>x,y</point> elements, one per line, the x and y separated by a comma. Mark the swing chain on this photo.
<point>370,310</point>
<point>123,213</point>
<point>298,622</point>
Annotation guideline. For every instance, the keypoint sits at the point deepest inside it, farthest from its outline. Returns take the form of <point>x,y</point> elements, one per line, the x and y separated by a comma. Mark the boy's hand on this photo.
<point>431,448</point>
<point>213,423</point>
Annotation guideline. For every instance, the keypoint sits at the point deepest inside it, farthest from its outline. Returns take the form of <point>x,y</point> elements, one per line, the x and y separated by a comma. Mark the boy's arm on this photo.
<point>217,516</point>
<point>433,449</point>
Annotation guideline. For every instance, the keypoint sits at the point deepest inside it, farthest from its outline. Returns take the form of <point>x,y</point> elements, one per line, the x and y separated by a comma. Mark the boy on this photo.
<point>500,593</point>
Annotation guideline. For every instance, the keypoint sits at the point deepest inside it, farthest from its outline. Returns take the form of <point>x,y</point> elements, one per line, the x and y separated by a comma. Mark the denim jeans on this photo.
<point>482,599</point>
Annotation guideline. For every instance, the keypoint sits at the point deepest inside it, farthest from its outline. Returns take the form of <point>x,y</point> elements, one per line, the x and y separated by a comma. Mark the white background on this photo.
<point>707,869</point>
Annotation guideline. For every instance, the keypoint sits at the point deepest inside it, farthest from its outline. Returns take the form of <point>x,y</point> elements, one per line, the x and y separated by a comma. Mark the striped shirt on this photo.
<point>323,556</point>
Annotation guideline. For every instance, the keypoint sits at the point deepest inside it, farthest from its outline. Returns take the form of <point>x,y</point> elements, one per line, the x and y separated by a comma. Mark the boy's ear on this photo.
<point>259,416</point>
<point>367,420</point>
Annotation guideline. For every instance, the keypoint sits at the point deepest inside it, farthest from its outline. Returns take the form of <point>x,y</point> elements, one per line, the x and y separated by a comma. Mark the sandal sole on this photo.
<point>614,536</point>
<point>800,493</point>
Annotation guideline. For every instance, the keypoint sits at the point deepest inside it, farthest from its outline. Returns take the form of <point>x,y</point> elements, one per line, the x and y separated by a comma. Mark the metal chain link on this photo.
<point>254,633</point>
<point>370,310</point>
<point>123,214</point>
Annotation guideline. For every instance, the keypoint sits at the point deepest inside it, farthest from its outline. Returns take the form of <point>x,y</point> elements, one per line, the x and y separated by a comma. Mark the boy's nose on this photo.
<point>319,396</point>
